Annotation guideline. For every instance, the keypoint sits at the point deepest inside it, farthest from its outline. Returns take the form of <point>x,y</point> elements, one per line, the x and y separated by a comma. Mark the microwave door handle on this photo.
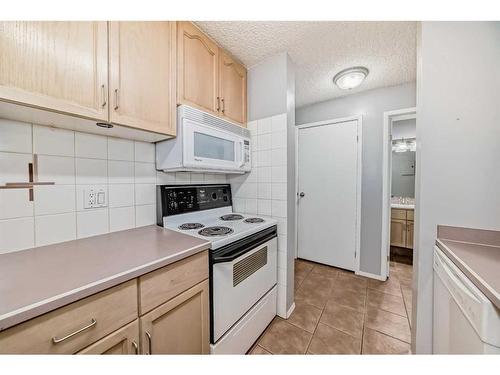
<point>242,154</point>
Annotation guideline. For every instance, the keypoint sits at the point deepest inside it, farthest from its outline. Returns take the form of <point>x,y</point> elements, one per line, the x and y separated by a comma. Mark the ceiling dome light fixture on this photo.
<point>350,78</point>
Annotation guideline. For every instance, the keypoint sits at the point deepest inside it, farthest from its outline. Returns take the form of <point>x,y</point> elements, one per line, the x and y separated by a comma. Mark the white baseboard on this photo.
<point>290,310</point>
<point>371,275</point>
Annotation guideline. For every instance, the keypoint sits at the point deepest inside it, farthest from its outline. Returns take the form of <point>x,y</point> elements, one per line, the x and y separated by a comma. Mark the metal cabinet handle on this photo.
<point>55,340</point>
<point>223,105</point>
<point>150,344</point>
<point>218,103</point>
<point>136,347</point>
<point>103,93</point>
<point>117,105</point>
<point>301,194</point>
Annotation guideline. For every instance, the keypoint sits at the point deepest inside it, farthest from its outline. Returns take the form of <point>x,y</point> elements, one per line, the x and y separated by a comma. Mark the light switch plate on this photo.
<point>94,198</point>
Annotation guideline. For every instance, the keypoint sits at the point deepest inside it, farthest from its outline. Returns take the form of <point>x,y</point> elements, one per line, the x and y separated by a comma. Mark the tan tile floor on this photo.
<point>338,312</point>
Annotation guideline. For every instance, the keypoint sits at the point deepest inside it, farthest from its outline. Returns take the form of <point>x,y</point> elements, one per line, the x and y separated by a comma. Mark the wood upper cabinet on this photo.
<point>123,341</point>
<point>179,326</point>
<point>197,68</point>
<point>142,75</point>
<point>60,66</point>
<point>232,88</point>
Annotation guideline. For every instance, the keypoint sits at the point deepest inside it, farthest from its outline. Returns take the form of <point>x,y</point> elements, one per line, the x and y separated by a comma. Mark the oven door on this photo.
<point>239,281</point>
<point>209,148</point>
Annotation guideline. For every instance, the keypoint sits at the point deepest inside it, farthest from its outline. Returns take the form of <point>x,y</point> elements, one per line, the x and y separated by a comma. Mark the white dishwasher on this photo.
<point>465,321</point>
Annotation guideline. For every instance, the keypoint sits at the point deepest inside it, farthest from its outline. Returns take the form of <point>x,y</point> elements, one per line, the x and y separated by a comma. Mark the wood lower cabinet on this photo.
<point>409,234</point>
<point>179,326</point>
<point>123,341</point>
<point>402,228</point>
<point>232,88</point>
<point>197,68</point>
<point>398,233</point>
<point>59,66</point>
<point>110,321</point>
<point>142,75</point>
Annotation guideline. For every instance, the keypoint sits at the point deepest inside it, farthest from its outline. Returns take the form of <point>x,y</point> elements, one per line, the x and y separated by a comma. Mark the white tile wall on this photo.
<point>75,161</point>
<point>264,190</point>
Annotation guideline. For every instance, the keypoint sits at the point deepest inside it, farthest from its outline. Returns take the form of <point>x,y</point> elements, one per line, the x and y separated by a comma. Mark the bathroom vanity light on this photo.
<point>350,78</point>
<point>402,145</point>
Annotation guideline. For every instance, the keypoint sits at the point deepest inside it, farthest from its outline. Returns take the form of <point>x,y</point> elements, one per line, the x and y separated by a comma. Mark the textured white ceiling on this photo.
<point>321,49</point>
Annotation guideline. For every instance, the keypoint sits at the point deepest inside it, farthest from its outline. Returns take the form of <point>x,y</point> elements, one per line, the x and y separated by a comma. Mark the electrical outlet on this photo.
<point>94,198</point>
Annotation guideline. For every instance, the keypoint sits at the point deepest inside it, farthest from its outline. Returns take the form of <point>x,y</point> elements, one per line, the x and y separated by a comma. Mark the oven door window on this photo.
<point>208,146</point>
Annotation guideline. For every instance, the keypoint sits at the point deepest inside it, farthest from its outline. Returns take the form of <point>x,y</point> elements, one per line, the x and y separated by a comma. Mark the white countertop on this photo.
<point>402,206</point>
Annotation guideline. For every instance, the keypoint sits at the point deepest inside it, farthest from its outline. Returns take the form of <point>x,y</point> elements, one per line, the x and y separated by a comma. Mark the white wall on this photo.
<point>123,168</point>
<point>371,105</point>
<point>458,143</point>
<point>404,129</point>
<point>267,87</point>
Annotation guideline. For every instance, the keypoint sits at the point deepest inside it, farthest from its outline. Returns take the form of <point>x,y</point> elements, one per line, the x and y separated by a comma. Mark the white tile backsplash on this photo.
<point>92,222</point>
<point>120,172</point>
<point>14,167</point>
<point>53,141</point>
<point>145,194</point>
<point>144,152</point>
<point>121,218</point>
<point>14,203</point>
<point>91,146</point>
<point>145,215</point>
<point>51,229</point>
<point>57,169</point>
<point>74,162</point>
<point>121,195</point>
<point>16,234</point>
<point>145,173</point>
<point>91,171</point>
<point>55,199</point>
<point>120,149</point>
<point>15,136</point>
<point>264,207</point>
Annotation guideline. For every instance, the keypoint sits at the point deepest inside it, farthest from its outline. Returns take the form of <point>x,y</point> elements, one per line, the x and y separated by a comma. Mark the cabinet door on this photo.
<point>197,69</point>
<point>59,66</point>
<point>233,88</point>
<point>123,341</point>
<point>179,326</point>
<point>142,75</point>
<point>409,234</point>
<point>398,233</point>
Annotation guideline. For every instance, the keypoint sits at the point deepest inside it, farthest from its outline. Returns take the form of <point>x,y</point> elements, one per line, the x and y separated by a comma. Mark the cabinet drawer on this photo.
<point>161,285</point>
<point>93,318</point>
<point>399,214</point>
<point>409,215</point>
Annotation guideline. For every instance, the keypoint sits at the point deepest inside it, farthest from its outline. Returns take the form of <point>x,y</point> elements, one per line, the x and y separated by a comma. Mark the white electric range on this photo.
<point>243,260</point>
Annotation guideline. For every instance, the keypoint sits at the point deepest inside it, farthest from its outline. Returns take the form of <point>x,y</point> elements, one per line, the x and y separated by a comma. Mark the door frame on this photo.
<point>389,117</point>
<point>358,178</point>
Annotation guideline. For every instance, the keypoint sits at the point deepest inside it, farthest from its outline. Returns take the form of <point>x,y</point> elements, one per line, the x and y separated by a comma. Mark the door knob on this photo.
<point>301,194</point>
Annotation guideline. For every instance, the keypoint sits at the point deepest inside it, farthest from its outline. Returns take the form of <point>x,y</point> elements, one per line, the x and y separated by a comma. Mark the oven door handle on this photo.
<point>230,258</point>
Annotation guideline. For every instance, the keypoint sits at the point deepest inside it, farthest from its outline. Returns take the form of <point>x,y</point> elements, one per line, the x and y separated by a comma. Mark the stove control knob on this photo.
<point>214,196</point>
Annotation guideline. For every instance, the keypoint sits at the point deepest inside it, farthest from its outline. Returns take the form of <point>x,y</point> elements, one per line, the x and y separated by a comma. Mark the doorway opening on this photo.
<point>398,191</point>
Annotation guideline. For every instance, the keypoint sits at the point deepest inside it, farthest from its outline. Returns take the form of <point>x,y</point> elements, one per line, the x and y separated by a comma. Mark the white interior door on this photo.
<point>328,193</point>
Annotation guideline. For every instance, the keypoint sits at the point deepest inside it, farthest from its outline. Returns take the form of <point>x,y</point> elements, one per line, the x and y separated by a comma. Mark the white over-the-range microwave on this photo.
<point>205,143</point>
